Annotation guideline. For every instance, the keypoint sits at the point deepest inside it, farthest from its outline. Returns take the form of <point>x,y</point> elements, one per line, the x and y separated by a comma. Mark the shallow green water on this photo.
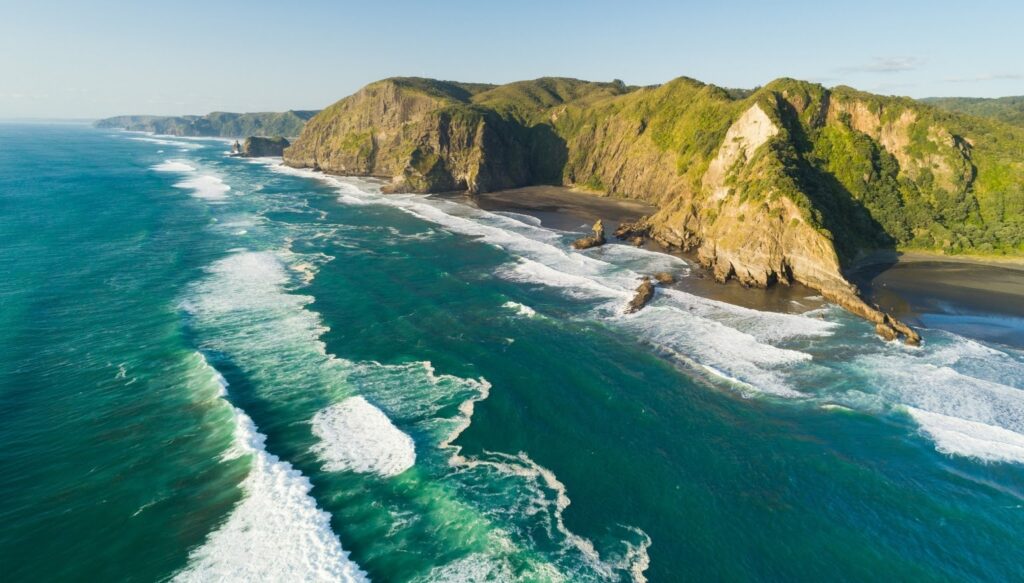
<point>188,373</point>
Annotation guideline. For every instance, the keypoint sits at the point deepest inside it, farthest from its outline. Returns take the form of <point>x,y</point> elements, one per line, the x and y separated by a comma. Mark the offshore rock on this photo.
<point>594,240</point>
<point>256,147</point>
<point>664,278</point>
<point>644,294</point>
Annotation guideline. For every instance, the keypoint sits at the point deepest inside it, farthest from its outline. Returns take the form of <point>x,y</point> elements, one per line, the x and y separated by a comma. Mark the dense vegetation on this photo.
<point>866,171</point>
<point>1006,109</point>
<point>216,124</point>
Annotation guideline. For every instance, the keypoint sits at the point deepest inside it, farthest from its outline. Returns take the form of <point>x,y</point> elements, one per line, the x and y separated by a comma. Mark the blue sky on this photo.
<point>70,58</point>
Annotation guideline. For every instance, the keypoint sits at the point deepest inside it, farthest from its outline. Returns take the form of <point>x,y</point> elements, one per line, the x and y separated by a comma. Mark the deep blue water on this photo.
<point>213,368</point>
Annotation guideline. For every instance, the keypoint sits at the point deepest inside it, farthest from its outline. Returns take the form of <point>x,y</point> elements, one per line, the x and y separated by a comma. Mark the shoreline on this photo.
<point>971,296</point>
<point>568,209</point>
<point>922,256</point>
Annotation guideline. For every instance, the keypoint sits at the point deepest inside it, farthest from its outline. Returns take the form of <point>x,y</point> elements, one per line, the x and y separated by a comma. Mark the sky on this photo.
<point>97,58</point>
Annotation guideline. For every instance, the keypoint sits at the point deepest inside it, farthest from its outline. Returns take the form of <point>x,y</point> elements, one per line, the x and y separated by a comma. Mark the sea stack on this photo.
<point>596,239</point>
<point>255,147</point>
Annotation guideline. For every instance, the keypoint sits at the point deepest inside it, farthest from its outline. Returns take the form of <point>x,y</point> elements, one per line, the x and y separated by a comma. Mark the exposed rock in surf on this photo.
<point>236,149</point>
<point>886,331</point>
<point>594,240</point>
<point>256,147</point>
<point>664,278</point>
<point>886,326</point>
<point>632,232</point>
<point>643,296</point>
<point>636,241</point>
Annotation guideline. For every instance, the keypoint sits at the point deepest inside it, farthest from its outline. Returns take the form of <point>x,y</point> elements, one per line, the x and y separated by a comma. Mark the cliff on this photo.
<point>790,182</point>
<point>216,124</point>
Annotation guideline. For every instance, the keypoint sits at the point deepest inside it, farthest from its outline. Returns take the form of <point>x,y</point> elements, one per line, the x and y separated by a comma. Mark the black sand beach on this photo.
<point>975,299</point>
<point>972,298</point>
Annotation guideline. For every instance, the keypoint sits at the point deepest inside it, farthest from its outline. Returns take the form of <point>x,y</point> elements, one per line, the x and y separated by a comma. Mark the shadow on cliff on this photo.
<point>517,155</point>
<point>548,154</point>
<point>853,227</point>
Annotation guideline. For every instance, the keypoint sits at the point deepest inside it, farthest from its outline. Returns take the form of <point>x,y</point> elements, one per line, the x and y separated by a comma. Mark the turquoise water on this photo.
<point>213,368</point>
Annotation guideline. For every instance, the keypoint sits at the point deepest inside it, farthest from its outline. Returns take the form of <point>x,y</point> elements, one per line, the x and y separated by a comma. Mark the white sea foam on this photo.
<point>167,142</point>
<point>174,166</point>
<point>276,532</point>
<point>521,309</point>
<point>206,187</point>
<point>356,436</point>
<point>966,397</point>
<point>954,436</point>
<point>738,342</point>
<point>245,293</point>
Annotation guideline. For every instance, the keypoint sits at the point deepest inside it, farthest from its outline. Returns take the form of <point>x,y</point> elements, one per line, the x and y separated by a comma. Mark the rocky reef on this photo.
<point>787,183</point>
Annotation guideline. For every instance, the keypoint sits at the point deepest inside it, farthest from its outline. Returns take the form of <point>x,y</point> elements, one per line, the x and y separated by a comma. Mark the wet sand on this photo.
<point>566,209</point>
<point>563,208</point>
<point>966,296</point>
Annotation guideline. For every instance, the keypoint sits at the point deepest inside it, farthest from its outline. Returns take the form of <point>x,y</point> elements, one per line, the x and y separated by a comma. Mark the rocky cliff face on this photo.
<point>786,183</point>
<point>425,137</point>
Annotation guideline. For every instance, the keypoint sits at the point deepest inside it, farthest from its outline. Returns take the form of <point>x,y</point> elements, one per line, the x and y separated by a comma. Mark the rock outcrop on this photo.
<point>595,239</point>
<point>644,294</point>
<point>784,184</point>
<point>255,147</point>
<point>634,233</point>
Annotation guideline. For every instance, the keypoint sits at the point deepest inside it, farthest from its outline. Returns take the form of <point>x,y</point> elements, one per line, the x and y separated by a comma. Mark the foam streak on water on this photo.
<point>735,340</point>
<point>277,532</point>
<point>953,386</point>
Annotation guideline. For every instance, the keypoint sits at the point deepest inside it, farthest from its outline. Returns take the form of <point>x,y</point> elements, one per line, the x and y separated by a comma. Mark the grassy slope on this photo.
<point>898,173</point>
<point>1005,109</point>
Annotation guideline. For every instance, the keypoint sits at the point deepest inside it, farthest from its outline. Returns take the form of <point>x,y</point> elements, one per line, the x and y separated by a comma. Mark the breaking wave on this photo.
<point>276,532</point>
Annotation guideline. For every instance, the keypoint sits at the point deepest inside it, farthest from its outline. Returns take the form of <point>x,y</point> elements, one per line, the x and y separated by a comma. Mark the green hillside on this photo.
<point>216,124</point>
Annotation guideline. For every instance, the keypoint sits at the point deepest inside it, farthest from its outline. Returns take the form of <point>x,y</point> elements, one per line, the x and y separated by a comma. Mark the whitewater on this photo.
<point>277,374</point>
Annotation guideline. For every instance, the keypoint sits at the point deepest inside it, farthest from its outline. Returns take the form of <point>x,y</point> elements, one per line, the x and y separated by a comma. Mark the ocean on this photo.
<point>214,368</point>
